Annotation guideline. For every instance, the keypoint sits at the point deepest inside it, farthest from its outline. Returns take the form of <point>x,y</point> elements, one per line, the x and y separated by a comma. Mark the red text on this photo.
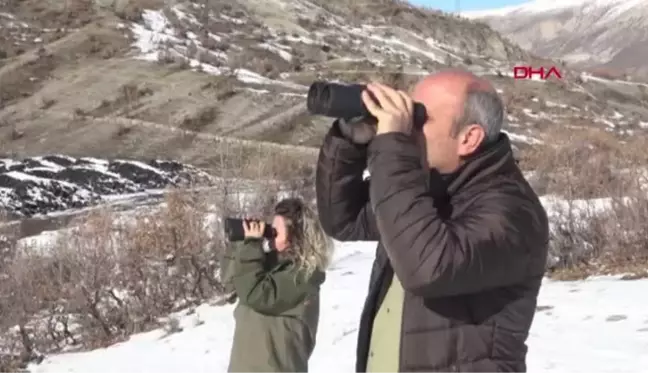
<point>541,73</point>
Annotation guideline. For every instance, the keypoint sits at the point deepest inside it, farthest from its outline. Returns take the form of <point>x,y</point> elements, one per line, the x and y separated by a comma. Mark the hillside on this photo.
<point>138,79</point>
<point>606,35</point>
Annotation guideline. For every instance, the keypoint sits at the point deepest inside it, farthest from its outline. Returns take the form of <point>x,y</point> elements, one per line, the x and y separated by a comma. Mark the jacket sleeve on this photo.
<point>267,291</point>
<point>228,267</point>
<point>478,249</point>
<point>342,194</point>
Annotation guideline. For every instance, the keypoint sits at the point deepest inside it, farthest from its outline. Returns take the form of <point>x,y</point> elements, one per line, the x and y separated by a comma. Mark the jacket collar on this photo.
<point>492,160</point>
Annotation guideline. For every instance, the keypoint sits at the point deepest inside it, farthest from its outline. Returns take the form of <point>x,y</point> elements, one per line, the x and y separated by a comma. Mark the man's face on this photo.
<point>441,148</point>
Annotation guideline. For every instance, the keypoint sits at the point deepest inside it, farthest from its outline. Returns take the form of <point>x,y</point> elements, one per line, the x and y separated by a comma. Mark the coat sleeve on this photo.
<point>268,291</point>
<point>228,267</point>
<point>342,194</point>
<point>481,248</point>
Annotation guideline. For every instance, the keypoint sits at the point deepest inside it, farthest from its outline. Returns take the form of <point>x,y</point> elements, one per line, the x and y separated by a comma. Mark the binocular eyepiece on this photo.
<point>345,101</point>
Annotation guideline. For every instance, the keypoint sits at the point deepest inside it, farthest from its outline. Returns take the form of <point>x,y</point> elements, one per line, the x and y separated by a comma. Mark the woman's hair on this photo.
<point>310,248</point>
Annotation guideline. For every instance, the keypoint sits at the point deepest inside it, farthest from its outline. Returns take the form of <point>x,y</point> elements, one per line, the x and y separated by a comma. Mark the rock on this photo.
<point>41,185</point>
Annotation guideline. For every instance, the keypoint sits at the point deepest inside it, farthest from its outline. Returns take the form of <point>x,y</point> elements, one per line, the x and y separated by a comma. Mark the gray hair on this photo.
<point>484,108</point>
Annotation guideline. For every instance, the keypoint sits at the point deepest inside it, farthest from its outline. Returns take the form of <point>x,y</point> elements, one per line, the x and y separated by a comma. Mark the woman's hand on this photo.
<point>253,228</point>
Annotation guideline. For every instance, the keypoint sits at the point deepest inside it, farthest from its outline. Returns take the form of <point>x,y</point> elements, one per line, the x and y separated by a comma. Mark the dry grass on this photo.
<point>106,279</point>
<point>600,229</point>
<point>128,99</point>
<point>23,82</point>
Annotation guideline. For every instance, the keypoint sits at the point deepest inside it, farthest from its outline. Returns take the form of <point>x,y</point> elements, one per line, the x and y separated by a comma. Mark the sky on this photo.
<point>467,5</point>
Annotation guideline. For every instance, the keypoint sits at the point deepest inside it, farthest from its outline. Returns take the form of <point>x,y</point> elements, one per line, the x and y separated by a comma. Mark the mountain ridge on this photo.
<point>601,34</point>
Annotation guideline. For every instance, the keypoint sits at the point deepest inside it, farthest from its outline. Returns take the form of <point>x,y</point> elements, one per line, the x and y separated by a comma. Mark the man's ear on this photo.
<point>470,139</point>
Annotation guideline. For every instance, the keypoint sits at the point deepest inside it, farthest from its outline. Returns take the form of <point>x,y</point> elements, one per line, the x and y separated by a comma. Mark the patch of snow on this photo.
<point>530,113</point>
<point>589,77</point>
<point>184,16</point>
<point>248,76</point>
<point>581,318</point>
<point>44,185</point>
<point>237,21</point>
<point>156,35</point>
<point>546,6</point>
<point>606,122</point>
<point>299,39</point>
<point>522,138</point>
<point>278,50</point>
<point>554,104</point>
<point>150,37</point>
<point>365,32</point>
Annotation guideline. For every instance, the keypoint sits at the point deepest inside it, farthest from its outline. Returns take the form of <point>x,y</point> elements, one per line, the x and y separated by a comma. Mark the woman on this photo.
<point>277,283</point>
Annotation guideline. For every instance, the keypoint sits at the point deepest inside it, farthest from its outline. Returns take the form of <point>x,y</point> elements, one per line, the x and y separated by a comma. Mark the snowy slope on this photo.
<point>547,6</point>
<point>157,37</point>
<point>611,33</point>
<point>596,325</point>
<point>42,185</point>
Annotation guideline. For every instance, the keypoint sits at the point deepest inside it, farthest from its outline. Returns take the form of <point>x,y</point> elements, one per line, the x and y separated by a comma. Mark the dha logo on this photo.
<point>528,72</point>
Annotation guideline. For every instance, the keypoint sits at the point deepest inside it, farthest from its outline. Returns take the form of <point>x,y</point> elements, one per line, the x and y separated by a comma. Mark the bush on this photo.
<point>600,202</point>
<point>106,279</point>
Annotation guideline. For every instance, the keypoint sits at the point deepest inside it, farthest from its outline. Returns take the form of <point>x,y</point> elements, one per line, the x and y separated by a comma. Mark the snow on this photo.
<point>543,6</point>
<point>598,325</point>
<point>46,184</point>
<point>278,50</point>
<point>152,35</point>
<point>522,138</point>
<point>160,38</point>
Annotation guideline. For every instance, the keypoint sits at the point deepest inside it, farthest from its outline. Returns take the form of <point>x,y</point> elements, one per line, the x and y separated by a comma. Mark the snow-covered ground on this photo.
<point>598,325</point>
<point>54,183</point>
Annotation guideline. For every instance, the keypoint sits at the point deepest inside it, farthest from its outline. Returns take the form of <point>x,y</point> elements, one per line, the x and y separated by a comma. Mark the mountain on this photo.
<point>221,84</point>
<point>609,35</point>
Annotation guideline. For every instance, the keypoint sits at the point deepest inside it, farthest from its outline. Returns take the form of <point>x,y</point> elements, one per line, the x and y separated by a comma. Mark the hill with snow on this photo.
<point>154,80</point>
<point>608,34</point>
<point>50,184</point>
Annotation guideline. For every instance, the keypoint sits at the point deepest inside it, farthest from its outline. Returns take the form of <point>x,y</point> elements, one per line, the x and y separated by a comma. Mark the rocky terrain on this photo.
<point>215,83</point>
<point>42,185</point>
<point>609,36</point>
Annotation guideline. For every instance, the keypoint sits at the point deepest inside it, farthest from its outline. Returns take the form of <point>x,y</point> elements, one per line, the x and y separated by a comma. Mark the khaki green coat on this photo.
<point>277,314</point>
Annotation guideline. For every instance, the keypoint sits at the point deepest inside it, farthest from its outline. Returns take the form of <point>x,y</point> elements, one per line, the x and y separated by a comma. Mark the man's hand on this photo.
<point>253,229</point>
<point>393,109</point>
<point>359,130</point>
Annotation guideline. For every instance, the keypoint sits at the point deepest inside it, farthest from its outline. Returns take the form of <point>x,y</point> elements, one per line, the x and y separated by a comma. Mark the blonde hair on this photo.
<point>311,249</point>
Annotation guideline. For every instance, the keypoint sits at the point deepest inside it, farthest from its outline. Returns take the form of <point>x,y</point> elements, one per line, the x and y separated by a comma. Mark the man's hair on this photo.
<point>484,108</point>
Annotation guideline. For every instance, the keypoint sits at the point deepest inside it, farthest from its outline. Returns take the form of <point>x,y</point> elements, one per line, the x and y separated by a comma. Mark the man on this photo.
<point>463,237</point>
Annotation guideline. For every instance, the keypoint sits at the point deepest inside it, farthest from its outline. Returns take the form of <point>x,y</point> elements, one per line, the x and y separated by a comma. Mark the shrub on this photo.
<point>107,278</point>
<point>601,202</point>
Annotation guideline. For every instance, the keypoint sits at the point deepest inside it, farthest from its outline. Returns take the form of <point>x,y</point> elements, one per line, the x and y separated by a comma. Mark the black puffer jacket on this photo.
<point>469,250</point>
